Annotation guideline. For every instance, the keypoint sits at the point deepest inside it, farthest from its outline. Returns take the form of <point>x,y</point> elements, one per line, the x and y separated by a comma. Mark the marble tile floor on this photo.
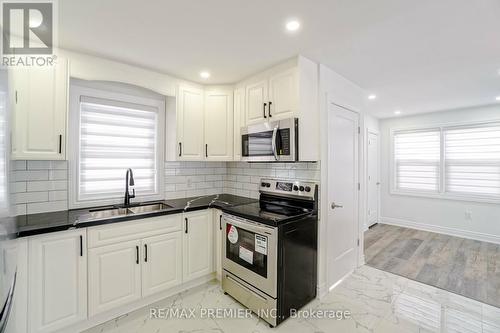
<point>378,302</point>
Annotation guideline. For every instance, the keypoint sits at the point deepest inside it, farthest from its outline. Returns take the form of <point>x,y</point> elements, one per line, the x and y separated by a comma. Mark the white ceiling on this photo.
<point>416,56</point>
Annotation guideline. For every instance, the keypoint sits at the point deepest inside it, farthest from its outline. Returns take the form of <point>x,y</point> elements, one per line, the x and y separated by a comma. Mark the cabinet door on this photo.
<point>39,98</point>
<point>218,243</point>
<point>114,276</point>
<point>57,280</point>
<point>190,124</point>
<point>162,263</point>
<point>239,120</point>
<point>256,96</point>
<point>197,245</point>
<point>219,125</point>
<point>283,91</point>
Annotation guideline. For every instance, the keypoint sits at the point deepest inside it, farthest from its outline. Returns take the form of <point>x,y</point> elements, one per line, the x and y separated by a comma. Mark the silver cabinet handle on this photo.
<point>336,206</point>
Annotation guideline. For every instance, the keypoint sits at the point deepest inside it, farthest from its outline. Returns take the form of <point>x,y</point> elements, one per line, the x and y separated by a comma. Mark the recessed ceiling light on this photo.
<point>397,112</point>
<point>204,75</point>
<point>372,96</point>
<point>293,25</point>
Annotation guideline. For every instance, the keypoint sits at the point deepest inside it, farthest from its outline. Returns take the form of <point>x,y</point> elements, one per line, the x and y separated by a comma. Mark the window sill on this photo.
<point>442,196</point>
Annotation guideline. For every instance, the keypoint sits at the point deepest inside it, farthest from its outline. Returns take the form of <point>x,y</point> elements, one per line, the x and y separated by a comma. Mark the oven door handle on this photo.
<point>273,144</point>
<point>250,226</point>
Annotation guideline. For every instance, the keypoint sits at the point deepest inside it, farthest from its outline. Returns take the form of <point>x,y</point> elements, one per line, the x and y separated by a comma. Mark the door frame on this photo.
<point>324,285</point>
<point>367,137</point>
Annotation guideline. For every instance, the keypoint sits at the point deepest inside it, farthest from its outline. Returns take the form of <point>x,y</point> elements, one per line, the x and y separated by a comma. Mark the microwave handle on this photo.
<point>275,135</point>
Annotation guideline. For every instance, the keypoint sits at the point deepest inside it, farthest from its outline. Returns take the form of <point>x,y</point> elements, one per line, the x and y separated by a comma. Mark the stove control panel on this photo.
<point>288,187</point>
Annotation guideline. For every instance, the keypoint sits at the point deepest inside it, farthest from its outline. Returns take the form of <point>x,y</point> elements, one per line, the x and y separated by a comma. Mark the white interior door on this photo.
<point>343,192</point>
<point>373,178</point>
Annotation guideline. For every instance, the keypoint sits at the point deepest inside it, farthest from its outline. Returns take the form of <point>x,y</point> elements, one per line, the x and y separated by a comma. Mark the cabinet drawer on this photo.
<point>120,232</point>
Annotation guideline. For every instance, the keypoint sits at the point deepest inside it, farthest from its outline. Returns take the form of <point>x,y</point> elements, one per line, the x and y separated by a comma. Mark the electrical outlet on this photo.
<point>468,215</point>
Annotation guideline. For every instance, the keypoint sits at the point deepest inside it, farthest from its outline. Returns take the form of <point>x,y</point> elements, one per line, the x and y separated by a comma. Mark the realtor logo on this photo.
<point>27,28</point>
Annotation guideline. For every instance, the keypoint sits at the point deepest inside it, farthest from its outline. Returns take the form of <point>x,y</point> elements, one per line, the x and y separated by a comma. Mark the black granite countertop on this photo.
<point>35,224</point>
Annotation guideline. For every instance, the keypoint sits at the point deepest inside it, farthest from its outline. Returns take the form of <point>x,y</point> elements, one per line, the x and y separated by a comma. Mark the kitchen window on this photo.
<point>451,162</point>
<point>111,132</point>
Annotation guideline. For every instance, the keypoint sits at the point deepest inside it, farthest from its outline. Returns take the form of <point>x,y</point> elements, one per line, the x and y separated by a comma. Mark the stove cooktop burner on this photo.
<point>268,213</point>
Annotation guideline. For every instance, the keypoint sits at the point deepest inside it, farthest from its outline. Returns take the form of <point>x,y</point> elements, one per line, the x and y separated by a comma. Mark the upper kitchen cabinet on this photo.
<point>190,124</point>
<point>39,100</point>
<point>219,125</point>
<point>256,102</point>
<point>283,95</point>
<point>288,90</point>
<point>272,98</point>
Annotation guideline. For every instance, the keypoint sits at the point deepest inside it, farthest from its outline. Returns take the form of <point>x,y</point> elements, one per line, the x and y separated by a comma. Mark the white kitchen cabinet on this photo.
<point>256,102</point>
<point>162,263</point>
<point>239,120</point>
<point>197,244</point>
<point>219,236</point>
<point>218,125</point>
<point>57,280</point>
<point>272,98</point>
<point>39,100</point>
<point>190,124</point>
<point>283,95</point>
<point>288,90</point>
<point>114,276</point>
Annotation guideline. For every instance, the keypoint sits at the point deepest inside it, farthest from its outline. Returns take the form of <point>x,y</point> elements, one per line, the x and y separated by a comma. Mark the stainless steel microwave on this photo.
<point>274,141</point>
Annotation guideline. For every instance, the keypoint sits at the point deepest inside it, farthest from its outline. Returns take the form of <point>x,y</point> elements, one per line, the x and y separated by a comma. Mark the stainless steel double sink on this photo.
<point>114,211</point>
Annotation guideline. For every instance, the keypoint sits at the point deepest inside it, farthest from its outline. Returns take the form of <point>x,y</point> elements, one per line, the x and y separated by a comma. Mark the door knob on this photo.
<point>336,206</point>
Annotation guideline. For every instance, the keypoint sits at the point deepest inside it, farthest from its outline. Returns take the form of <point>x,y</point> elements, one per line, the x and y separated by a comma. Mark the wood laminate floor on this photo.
<point>466,267</point>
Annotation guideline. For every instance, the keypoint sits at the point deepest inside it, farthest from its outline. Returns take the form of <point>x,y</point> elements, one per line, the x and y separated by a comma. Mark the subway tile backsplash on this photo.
<point>42,186</point>
<point>187,179</point>
<point>243,178</point>
<point>39,186</point>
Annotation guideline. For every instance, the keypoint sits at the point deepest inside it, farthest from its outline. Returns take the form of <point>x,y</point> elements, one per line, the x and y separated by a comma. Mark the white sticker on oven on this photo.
<point>246,255</point>
<point>261,244</point>
<point>232,234</point>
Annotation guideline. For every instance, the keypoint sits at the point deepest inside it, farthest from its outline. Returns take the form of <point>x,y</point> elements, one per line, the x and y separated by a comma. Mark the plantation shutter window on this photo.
<point>417,160</point>
<point>115,136</point>
<point>472,160</point>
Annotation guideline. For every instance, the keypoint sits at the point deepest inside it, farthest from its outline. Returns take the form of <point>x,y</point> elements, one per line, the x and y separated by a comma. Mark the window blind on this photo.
<point>472,160</point>
<point>417,160</point>
<point>3,155</point>
<point>115,136</point>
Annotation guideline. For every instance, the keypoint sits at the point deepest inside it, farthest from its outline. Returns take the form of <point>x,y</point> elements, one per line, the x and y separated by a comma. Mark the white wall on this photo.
<point>439,215</point>
<point>337,89</point>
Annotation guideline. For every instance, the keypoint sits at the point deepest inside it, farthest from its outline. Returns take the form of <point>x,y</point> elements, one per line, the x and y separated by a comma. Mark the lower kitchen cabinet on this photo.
<point>162,263</point>
<point>197,244</point>
<point>57,280</point>
<point>114,276</point>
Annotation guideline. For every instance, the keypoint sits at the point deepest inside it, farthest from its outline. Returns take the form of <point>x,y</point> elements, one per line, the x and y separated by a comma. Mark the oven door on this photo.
<point>270,142</point>
<point>250,253</point>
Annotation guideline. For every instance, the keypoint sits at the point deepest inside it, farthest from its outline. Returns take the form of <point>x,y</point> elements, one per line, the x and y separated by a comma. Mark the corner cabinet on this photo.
<point>190,124</point>
<point>57,280</point>
<point>39,100</point>
<point>219,125</point>
<point>197,244</point>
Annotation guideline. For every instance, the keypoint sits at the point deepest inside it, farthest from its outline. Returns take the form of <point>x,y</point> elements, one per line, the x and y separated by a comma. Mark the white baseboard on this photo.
<point>441,230</point>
